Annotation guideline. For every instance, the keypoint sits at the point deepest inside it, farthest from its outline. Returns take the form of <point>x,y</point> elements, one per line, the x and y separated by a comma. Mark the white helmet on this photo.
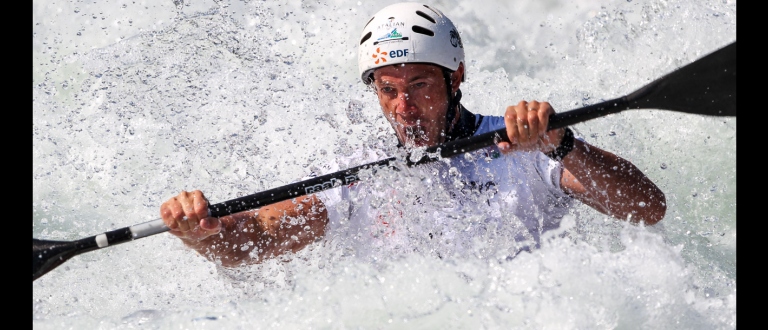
<point>409,32</point>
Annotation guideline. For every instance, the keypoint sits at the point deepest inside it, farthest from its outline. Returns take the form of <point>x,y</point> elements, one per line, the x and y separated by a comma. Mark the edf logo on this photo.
<point>382,56</point>
<point>398,53</point>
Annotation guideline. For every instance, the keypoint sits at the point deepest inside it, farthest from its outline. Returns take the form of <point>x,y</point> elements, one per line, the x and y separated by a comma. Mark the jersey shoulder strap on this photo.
<point>466,126</point>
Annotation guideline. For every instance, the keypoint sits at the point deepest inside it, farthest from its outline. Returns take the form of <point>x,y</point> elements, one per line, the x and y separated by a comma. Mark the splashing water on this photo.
<point>133,102</point>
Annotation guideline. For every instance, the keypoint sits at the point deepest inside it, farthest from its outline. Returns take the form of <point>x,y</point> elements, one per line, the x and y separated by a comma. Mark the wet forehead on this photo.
<point>407,72</point>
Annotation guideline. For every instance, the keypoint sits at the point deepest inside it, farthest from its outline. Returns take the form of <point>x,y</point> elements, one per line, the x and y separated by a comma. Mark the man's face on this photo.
<point>414,99</point>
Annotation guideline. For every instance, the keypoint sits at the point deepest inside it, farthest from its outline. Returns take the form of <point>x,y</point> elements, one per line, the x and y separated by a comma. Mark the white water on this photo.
<point>135,101</point>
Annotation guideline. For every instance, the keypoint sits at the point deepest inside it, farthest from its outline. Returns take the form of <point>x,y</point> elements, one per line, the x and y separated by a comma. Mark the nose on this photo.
<point>404,105</point>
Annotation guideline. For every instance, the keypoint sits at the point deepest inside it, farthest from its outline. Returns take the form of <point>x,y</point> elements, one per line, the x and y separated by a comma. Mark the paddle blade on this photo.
<point>47,255</point>
<point>706,86</point>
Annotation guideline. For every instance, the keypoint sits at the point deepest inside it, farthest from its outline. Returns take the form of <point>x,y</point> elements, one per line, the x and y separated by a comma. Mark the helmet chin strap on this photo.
<point>453,103</point>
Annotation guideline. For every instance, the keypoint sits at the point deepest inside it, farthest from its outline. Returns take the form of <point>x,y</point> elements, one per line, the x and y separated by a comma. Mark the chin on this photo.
<point>417,143</point>
<point>413,136</point>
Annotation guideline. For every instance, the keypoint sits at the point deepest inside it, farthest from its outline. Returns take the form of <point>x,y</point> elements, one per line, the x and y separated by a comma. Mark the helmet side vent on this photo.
<point>369,22</point>
<point>419,29</point>
<point>366,37</point>
<point>435,11</point>
<point>422,14</point>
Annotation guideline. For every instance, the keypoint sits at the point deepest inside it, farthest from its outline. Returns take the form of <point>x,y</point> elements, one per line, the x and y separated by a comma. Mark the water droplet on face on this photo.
<point>642,204</point>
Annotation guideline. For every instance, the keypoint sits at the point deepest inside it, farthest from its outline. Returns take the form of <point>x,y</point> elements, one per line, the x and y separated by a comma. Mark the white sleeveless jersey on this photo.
<point>441,207</point>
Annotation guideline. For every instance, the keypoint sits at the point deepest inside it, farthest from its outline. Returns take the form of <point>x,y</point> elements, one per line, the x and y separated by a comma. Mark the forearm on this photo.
<point>234,243</point>
<point>613,185</point>
<point>252,236</point>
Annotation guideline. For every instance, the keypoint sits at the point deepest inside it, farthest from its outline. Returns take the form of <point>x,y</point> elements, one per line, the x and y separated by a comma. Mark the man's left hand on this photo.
<point>527,128</point>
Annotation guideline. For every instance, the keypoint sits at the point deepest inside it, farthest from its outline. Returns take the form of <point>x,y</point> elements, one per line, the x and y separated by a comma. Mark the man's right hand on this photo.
<point>187,216</point>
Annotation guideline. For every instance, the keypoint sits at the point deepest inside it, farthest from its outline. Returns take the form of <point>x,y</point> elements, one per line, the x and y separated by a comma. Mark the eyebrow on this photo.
<point>419,76</point>
<point>416,77</point>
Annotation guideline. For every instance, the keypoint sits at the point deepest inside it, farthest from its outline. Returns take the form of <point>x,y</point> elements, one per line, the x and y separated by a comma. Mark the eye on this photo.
<point>387,89</point>
<point>419,84</point>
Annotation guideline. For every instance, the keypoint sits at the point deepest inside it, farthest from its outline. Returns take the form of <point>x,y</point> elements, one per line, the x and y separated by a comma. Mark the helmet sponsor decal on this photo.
<point>392,35</point>
<point>390,24</point>
<point>381,56</point>
<point>456,39</point>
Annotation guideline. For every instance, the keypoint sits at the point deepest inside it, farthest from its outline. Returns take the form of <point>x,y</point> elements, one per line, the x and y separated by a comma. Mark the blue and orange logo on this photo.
<point>382,56</point>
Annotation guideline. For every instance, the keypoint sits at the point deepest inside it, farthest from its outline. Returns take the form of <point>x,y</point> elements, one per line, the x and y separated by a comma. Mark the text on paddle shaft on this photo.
<point>333,182</point>
<point>347,179</point>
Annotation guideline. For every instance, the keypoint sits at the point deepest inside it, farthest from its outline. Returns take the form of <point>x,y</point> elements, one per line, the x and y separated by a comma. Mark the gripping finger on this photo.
<point>510,121</point>
<point>545,111</point>
<point>189,220</point>
<point>171,211</point>
<point>204,225</point>
<point>534,123</point>
<point>199,204</point>
<point>523,125</point>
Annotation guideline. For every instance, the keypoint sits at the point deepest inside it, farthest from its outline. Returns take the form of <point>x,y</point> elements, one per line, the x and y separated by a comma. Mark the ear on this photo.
<point>456,78</point>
